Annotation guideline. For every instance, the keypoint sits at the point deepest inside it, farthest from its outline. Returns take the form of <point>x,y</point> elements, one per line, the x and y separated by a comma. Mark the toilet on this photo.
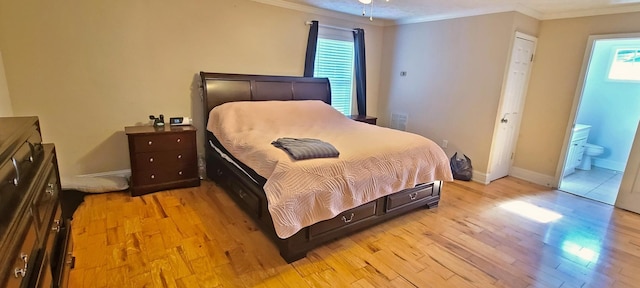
<point>590,150</point>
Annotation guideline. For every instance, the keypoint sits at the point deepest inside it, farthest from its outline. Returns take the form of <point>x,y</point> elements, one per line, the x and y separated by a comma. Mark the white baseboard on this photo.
<point>480,177</point>
<point>609,164</point>
<point>534,177</point>
<point>120,173</point>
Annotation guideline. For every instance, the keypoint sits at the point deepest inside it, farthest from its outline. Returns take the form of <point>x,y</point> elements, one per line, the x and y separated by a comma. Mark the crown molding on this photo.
<point>474,12</point>
<point>459,14</point>
<point>592,12</point>
<point>324,12</point>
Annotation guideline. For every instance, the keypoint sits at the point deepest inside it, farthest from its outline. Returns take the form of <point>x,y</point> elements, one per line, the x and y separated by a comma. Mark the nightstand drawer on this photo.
<point>163,142</point>
<point>166,174</point>
<point>173,158</point>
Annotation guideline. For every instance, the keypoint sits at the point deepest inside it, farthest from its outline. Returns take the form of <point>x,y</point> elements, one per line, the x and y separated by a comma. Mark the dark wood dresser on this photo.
<point>162,158</point>
<point>34,238</point>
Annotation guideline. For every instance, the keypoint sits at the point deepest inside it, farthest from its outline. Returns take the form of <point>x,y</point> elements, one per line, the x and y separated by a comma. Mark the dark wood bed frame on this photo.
<point>220,88</point>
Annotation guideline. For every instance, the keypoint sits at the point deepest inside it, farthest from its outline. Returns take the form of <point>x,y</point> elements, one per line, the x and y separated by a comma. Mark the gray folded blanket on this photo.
<point>306,148</point>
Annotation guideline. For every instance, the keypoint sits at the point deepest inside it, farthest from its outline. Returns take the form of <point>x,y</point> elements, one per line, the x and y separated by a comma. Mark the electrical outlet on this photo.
<point>445,143</point>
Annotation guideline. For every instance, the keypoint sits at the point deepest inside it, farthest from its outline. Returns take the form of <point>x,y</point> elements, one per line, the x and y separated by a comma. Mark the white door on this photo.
<point>629,193</point>
<point>508,120</point>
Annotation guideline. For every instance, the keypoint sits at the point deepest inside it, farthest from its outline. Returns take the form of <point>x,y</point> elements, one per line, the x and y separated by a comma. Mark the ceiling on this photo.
<point>411,11</point>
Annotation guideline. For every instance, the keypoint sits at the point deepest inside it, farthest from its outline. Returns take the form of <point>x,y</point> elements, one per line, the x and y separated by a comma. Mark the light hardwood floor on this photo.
<point>197,237</point>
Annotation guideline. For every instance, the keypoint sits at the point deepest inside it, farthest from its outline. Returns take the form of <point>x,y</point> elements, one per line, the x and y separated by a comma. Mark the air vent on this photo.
<point>399,121</point>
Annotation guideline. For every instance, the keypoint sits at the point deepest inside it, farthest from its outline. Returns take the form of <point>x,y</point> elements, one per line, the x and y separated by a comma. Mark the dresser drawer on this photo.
<point>23,260</point>
<point>344,219</point>
<point>46,199</point>
<point>66,260</point>
<point>163,141</point>
<point>406,197</point>
<point>157,160</point>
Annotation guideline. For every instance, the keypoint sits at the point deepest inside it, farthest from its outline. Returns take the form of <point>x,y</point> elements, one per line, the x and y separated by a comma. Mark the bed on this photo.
<point>247,187</point>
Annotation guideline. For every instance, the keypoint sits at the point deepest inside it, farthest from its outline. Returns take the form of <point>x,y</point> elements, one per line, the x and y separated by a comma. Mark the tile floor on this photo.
<point>598,184</point>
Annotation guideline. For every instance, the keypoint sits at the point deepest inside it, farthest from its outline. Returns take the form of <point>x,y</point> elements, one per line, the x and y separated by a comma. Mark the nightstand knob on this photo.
<point>178,140</point>
<point>179,156</point>
<point>179,172</point>
<point>150,142</point>
<point>151,159</point>
<point>153,176</point>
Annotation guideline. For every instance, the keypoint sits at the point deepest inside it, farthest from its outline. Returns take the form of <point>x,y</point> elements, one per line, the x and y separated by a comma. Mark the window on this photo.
<point>625,65</point>
<point>334,60</point>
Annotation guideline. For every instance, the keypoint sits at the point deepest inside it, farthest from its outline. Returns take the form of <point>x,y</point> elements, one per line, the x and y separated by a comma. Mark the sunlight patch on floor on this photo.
<point>531,211</point>
<point>580,251</point>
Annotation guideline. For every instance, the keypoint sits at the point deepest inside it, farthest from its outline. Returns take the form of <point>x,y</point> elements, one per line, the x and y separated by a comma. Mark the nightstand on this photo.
<point>365,119</point>
<point>162,158</point>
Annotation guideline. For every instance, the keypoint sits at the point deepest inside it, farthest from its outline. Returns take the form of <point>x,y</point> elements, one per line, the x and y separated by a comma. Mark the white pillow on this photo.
<point>95,184</point>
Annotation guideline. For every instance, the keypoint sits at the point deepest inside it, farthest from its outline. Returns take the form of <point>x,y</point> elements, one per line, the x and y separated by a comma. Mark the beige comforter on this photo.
<point>373,161</point>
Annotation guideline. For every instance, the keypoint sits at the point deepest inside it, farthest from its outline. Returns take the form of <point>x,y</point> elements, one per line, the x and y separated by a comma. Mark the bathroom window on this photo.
<point>625,65</point>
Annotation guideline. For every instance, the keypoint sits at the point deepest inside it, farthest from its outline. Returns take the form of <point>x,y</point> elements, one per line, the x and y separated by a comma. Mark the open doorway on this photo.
<point>606,120</point>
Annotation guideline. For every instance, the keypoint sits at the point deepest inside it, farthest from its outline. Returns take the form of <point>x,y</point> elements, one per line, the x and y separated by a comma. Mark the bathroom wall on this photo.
<point>611,107</point>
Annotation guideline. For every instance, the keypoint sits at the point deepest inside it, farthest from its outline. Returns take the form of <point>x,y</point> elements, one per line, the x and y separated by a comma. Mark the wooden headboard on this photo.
<point>219,88</point>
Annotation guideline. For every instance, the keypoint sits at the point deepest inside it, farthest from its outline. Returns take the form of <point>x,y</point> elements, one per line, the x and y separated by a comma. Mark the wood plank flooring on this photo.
<point>197,237</point>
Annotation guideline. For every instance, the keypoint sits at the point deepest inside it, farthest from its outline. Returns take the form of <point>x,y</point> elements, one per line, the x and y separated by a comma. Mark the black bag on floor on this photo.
<point>461,167</point>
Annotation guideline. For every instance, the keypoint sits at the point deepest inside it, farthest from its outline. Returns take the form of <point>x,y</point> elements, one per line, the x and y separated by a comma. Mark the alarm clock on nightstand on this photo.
<point>176,121</point>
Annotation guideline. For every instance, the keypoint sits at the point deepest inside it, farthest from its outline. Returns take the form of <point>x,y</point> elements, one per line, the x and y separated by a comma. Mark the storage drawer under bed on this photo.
<point>222,175</point>
<point>344,219</point>
<point>409,196</point>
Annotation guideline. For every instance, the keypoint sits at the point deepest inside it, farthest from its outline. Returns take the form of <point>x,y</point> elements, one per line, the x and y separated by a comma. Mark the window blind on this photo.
<point>334,60</point>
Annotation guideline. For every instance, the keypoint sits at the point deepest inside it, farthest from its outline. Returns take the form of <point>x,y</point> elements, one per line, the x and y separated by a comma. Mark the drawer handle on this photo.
<point>180,173</point>
<point>242,194</point>
<point>56,226</point>
<point>178,140</point>
<point>72,260</point>
<point>50,189</point>
<point>21,272</point>
<point>413,195</point>
<point>153,176</point>
<point>344,218</point>
<point>16,180</point>
<point>179,156</point>
<point>150,159</point>
<point>150,142</point>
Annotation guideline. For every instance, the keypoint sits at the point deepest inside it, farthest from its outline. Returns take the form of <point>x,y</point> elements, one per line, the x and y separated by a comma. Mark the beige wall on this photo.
<point>455,70</point>
<point>552,88</point>
<point>5,101</point>
<point>89,68</point>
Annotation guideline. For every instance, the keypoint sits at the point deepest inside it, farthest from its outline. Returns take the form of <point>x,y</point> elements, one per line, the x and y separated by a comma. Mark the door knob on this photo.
<point>504,118</point>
